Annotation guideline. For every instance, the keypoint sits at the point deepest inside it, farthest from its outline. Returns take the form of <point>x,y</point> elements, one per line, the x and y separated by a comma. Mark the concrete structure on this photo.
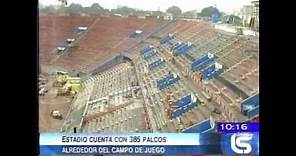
<point>154,83</point>
<point>246,14</point>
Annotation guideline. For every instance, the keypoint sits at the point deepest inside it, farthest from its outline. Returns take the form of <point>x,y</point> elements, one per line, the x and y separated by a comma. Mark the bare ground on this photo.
<point>49,102</point>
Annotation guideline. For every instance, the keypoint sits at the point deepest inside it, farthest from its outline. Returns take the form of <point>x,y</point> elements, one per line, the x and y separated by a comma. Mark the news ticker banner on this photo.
<point>149,143</point>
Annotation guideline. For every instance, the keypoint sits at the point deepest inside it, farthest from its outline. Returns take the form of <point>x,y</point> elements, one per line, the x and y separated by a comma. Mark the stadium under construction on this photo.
<point>144,74</point>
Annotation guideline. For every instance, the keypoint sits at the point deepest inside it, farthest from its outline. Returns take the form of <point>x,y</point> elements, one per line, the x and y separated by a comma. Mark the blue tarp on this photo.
<point>215,18</point>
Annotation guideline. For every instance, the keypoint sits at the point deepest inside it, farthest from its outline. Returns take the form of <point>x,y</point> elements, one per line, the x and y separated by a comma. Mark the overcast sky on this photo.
<point>227,6</point>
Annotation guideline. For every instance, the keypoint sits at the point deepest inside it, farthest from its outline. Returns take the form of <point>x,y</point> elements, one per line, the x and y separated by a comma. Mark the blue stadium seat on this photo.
<point>155,64</point>
<point>181,46</point>
<point>149,53</point>
<point>167,81</point>
<point>182,102</point>
<point>202,127</point>
<point>211,72</point>
<point>146,48</point>
<point>177,45</point>
<point>183,108</point>
<point>197,64</point>
<point>166,39</point>
<point>183,49</point>
<point>253,112</point>
<point>250,106</point>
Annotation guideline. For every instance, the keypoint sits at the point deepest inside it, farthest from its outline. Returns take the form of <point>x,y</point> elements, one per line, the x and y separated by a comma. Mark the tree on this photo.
<point>94,8</point>
<point>62,9</point>
<point>125,10</point>
<point>48,9</point>
<point>189,14</point>
<point>75,8</point>
<point>174,10</point>
<point>157,13</point>
<point>209,11</point>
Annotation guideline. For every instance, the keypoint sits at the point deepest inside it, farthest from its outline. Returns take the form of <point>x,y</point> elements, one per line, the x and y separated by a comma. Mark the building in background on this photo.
<point>246,14</point>
<point>250,15</point>
<point>256,13</point>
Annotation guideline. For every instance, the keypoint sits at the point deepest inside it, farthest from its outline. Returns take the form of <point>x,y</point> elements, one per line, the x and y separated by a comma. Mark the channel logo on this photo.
<point>240,144</point>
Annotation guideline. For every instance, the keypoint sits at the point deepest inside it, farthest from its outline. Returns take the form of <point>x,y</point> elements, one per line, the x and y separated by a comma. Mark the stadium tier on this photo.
<point>153,75</point>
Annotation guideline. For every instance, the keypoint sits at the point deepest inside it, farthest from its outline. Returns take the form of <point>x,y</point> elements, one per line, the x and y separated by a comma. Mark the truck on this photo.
<point>56,114</point>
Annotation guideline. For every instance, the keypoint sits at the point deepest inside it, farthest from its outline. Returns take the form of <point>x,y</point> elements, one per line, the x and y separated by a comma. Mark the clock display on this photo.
<point>233,127</point>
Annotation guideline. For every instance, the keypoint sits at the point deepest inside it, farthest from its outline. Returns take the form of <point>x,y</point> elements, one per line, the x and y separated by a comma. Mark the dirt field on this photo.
<point>47,103</point>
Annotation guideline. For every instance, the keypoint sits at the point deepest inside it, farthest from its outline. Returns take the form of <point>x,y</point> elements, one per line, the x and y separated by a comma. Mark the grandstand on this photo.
<point>177,76</point>
<point>105,37</point>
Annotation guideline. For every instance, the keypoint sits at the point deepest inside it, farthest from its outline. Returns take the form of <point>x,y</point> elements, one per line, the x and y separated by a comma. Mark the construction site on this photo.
<point>144,74</point>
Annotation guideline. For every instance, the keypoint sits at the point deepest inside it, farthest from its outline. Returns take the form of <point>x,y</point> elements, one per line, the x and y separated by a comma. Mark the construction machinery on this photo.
<point>69,85</point>
<point>64,91</point>
<point>56,114</point>
<point>70,88</point>
<point>60,80</point>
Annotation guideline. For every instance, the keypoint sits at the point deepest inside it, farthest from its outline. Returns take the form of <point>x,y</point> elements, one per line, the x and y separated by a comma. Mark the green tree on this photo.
<point>189,14</point>
<point>174,10</point>
<point>94,8</point>
<point>157,13</point>
<point>209,11</point>
<point>62,9</point>
<point>48,9</point>
<point>125,10</point>
<point>75,8</point>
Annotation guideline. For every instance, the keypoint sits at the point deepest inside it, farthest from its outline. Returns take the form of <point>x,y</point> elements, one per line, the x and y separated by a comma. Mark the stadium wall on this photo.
<point>110,63</point>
